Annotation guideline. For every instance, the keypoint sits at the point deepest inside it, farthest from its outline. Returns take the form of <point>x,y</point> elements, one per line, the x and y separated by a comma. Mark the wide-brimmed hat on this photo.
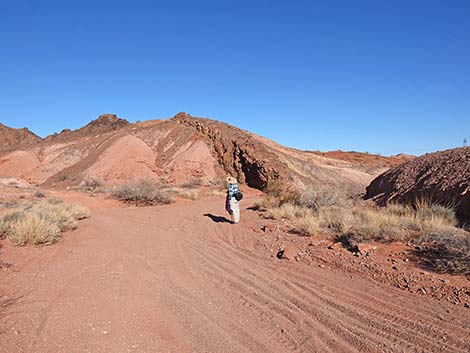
<point>231,180</point>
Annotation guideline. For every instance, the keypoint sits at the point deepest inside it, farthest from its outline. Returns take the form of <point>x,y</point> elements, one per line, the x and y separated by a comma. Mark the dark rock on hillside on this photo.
<point>238,153</point>
<point>442,176</point>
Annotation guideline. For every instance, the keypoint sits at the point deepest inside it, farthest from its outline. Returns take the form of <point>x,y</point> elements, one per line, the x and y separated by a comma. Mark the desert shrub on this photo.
<point>52,201</point>
<point>219,184</point>
<point>123,192</point>
<point>77,211</point>
<point>6,221</point>
<point>397,209</point>
<point>93,184</point>
<point>142,193</point>
<point>192,183</point>
<point>430,212</point>
<point>217,193</point>
<point>285,211</point>
<point>42,222</point>
<point>322,196</point>
<point>33,229</point>
<point>190,194</point>
<point>335,218</point>
<point>392,223</point>
<point>266,203</point>
<point>308,225</point>
<point>281,193</point>
<point>449,251</point>
<point>60,213</point>
<point>55,214</point>
<point>39,194</point>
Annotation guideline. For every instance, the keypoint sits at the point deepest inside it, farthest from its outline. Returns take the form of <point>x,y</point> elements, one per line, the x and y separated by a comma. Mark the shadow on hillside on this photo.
<point>217,219</point>
<point>441,259</point>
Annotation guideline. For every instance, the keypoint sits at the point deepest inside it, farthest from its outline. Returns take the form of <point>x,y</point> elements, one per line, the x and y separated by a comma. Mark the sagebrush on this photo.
<point>142,193</point>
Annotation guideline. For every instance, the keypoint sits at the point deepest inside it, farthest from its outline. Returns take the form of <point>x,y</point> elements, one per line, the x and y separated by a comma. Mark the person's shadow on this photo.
<point>217,219</point>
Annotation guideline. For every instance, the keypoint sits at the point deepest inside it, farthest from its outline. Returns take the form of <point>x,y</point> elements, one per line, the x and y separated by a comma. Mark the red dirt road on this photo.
<point>169,279</point>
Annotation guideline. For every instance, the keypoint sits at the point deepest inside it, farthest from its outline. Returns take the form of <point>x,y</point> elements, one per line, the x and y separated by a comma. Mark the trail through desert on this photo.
<point>173,279</point>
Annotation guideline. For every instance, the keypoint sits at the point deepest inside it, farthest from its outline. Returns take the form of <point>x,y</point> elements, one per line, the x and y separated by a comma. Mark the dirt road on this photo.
<point>169,279</point>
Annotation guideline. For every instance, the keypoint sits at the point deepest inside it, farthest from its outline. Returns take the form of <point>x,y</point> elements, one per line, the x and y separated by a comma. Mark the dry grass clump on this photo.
<point>34,229</point>
<point>6,221</point>
<point>308,225</point>
<point>325,196</point>
<point>279,194</point>
<point>217,193</point>
<point>219,184</point>
<point>142,193</point>
<point>190,194</point>
<point>396,222</point>
<point>288,211</point>
<point>77,211</point>
<point>266,203</point>
<point>91,184</point>
<point>423,222</point>
<point>192,183</point>
<point>334,218</point>
<point>435,213</point>
<point>42,222</point>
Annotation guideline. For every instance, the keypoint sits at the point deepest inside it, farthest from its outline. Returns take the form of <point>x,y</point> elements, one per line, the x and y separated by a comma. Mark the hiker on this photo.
<point>232,202</point>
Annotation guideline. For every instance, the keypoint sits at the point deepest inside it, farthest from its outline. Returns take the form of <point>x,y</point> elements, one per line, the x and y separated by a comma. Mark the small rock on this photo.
<point>290,252</point>
<point>366,249</point>
<point>467,305</point>
<point>335,246</point>
<point>394,268</point>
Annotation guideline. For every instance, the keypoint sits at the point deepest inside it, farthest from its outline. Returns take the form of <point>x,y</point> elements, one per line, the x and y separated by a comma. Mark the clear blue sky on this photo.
<point>378,76</point>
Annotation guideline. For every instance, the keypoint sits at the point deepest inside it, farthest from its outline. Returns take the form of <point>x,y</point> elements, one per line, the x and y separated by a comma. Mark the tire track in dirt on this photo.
<point>395,323</point>
<point>321,312</point>
<point>185,284</point>
<point>320,277</point>
<point>380,316</point>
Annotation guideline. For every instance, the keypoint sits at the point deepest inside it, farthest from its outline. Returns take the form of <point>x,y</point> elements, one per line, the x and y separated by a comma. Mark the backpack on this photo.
<point>238,196</point>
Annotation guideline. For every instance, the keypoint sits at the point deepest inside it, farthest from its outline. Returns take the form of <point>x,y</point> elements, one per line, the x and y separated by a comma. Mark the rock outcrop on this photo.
<point>15,138</point>
<point>444,177</point>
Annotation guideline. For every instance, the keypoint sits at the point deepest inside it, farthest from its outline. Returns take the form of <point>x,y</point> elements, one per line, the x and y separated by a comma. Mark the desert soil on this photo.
<point>172,279</point>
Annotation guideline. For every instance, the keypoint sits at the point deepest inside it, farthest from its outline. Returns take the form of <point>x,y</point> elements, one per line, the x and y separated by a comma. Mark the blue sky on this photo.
<point>377,76</point>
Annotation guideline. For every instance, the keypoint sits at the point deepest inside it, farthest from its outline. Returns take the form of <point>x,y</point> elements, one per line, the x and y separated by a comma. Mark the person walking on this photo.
<point>232,202</point>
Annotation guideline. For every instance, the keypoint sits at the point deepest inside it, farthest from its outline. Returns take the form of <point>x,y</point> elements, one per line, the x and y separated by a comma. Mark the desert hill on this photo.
<point>175,150</point>
<point>11,138</point>
<point>442,176</point>
<point>367,160</point>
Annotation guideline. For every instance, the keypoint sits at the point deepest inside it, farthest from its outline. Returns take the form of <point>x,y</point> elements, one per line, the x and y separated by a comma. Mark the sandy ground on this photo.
<point>171,279</point>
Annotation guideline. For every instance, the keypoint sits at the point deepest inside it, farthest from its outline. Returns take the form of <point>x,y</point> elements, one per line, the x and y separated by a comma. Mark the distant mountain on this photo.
<point>176,150</point>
